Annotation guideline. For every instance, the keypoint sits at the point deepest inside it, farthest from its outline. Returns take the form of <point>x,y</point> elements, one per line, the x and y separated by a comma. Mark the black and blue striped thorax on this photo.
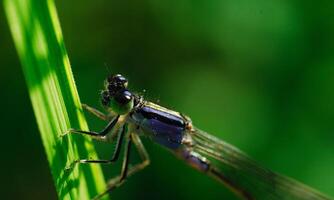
<point>162,125</point>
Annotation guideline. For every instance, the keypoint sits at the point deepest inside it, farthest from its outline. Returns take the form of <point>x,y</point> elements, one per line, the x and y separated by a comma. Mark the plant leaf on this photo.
<point>39,42</point>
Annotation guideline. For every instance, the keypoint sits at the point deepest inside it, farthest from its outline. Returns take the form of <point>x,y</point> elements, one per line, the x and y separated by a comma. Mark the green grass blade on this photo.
<point>39,42</point>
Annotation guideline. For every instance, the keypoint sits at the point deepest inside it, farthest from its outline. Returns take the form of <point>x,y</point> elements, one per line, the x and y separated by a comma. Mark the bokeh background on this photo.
<point>258,74</point>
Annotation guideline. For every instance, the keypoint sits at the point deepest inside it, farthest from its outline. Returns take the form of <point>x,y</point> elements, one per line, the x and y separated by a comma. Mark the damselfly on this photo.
<point>130,116</point>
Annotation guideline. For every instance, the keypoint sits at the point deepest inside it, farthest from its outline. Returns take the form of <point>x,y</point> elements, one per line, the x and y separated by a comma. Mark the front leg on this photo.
<point>126,171</point>
<point>96,112</point>
<point>115,155</point>
<point>101,135</point>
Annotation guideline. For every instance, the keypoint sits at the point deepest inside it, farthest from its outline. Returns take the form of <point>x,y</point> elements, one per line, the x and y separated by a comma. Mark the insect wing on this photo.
<point>244,176</point>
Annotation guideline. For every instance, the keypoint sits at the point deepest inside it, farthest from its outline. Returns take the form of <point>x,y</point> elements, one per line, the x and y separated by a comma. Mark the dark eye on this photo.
<point>114,88</point>
<point>116,83</point>
<point>123,97</point>
<point>118,80</point>
<point>122,102</point>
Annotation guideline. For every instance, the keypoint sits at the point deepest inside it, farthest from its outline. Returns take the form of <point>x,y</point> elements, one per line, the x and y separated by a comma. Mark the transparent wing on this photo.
<point>244,176</point>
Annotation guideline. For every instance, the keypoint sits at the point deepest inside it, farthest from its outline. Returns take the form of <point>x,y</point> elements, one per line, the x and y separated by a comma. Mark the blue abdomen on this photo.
<point>163,126</point>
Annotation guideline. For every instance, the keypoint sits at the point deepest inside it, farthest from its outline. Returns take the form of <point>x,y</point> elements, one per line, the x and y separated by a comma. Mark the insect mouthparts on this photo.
<point>105,97</point>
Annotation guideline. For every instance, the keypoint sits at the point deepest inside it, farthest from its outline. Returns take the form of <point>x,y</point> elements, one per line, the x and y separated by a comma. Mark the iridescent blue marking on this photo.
<point>165,128</point>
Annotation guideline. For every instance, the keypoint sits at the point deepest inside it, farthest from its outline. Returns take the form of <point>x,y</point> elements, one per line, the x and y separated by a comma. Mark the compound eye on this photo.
<point>122,102</point>
<point>116,83</point>
<point>123,97</point>
<point>118,80</point>
<point>114,88</point>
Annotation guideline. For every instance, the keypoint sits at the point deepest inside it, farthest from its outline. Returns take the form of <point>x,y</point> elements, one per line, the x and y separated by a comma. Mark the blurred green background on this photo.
<point>257,74</point>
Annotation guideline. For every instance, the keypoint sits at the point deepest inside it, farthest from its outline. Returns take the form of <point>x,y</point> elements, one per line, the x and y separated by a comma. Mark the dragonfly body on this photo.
<point>170,129</point>
<point>197,148</point>
<point>174,131</point>
<point>160,124</point>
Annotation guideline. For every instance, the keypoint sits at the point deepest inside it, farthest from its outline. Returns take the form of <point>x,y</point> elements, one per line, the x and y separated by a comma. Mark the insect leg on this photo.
<point>115,154</point>
<point>119,180</point>
<point>142,153</point>
<point>124,170</point>
<point>101,135</point>
<point>96,112</point>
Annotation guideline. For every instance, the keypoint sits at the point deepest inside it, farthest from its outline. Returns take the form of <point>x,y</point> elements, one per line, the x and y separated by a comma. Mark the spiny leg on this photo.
<point>142,153</point>
<point>101,135</point>
<point>115,154</point>
<point>125,173</point>
<point>124,169</point>
<point>96,112</point>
